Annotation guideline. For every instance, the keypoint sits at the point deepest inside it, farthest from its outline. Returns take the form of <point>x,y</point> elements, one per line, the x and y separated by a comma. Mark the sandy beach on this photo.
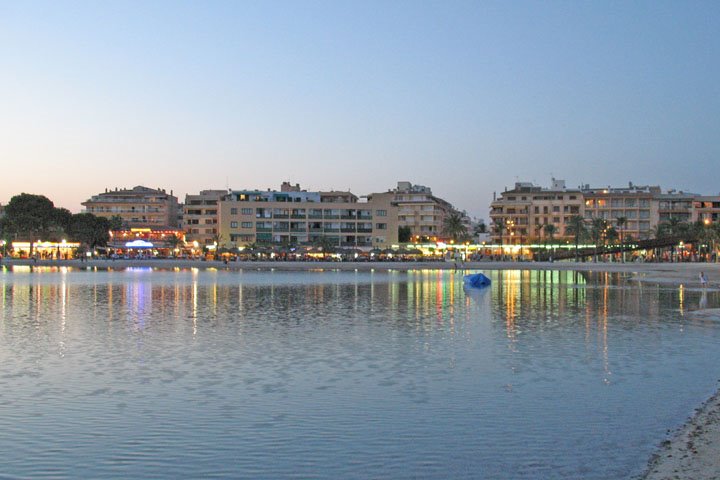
<point>693,453</point>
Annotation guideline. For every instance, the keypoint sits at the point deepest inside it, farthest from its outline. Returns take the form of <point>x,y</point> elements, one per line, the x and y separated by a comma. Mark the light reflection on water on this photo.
<point>189,373</point>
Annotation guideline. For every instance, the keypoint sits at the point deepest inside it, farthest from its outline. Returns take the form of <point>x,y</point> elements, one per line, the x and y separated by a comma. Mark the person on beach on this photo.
<point>703,279</point>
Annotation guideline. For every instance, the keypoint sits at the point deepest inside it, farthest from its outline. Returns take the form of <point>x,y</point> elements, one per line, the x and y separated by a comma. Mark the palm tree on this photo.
<point>218,238</point>
<point>454,227</point>
<point>620,222</point>
<point>174,241</point>
<point>672,227</point>
<point>550,231</point>
<point>576,227</point>
<point>499,227</point>
<point>597,232</point>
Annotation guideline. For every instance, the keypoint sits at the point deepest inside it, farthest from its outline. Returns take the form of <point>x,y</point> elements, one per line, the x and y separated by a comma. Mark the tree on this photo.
<point>88,229</point>
<point>174,241</point>
<point>499,227</point>
<point>31,216</point>
<point>454,227</point>
<point>598,228</point>
<point>324,244</point>
<point>672,227</point>
<point>116,222</point>
<point>550,230</point>
<point>404,234</point>
<point>576,227</point>
<point>620,222</point>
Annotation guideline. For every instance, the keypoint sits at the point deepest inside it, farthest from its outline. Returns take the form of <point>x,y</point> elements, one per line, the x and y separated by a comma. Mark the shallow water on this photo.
<point>187,373</point>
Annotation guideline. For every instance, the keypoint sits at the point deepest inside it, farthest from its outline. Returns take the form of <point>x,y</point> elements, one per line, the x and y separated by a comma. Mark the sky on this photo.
<point>464,97</point>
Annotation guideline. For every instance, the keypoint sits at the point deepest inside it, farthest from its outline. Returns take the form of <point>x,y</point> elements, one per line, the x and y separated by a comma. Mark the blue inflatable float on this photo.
<point>477,280</point>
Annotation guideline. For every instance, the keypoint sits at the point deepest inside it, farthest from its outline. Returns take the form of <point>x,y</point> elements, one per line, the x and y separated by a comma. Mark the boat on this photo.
<point>477,280</point>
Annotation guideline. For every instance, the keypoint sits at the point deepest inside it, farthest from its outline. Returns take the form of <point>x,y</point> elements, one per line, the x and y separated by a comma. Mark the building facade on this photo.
<point>519,216</point>
<point>706,209</point>
<point>421,211</point>
<point>637,205</point>
<point>200,217</point>
<point>138,207</point>
<point>297,217</point>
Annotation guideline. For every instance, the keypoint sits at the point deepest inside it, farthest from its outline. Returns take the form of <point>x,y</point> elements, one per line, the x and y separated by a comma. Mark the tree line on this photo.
<point>31,217</point>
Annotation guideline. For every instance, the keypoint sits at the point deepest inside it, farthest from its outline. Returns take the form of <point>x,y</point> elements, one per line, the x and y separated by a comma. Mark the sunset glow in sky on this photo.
<point>464,97</point>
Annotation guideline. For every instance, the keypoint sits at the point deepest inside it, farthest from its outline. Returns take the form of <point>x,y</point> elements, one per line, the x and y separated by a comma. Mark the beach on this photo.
<point>693,452</point>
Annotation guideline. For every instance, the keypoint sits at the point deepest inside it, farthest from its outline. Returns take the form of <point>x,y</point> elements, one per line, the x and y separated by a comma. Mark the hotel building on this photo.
<point>293,216</point>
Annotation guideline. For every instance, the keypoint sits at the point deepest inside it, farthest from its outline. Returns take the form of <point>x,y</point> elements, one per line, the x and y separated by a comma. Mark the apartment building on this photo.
<point>638,205</point>
<point>677,205</point>
<point>293,216</point>
<point>420,210</point>
<point>706,209</point>
<point>524,210</point>
<point>200,216</point>
<point>519,215</point>
<point>138,207</point>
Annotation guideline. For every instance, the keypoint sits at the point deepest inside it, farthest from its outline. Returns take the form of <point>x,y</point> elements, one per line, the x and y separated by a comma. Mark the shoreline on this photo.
<point>691,453</point>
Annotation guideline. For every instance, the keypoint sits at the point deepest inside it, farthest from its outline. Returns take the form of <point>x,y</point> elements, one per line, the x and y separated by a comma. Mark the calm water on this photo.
<point>177,374</point>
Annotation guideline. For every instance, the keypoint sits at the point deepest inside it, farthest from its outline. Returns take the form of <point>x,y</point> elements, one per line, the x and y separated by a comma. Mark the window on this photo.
<point>246,224</point>
<point>381,213</point>
<point>233,224</point>
<point>381,226</point>
<point>556,209</point>
<point>233,211</point>
<point>247,211</point>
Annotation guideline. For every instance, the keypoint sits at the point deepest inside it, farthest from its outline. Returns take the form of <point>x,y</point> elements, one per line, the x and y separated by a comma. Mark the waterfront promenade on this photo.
<point>694,452</point>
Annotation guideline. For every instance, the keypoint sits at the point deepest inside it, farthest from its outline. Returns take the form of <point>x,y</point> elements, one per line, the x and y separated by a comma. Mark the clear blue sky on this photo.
<point>465,97</point>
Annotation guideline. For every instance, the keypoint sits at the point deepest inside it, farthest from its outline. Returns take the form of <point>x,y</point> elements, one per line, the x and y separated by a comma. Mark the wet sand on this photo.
<point>692,454</point>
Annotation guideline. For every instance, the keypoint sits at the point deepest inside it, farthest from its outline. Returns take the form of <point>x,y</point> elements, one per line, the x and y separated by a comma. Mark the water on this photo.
<point>188,374</point>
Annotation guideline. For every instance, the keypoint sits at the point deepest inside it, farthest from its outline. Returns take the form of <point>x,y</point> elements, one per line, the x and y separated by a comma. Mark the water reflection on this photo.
<point>310,374</point>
